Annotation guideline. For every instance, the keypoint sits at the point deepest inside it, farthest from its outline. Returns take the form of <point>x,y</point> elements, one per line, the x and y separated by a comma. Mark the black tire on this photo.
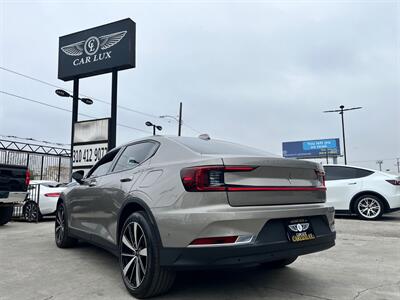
<point>63,240</point>
<point>31,212</point>
<point>6,214</point>
<point>279,263</point>
<point>369,207</point>
<point>143,258</point>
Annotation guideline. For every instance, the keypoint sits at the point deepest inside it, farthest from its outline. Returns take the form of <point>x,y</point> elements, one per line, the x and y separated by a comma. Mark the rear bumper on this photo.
<point>394,202</point>
<point>12,197</point>
<point>230,256</point>
<point>178,228</point>
<point>270,244</point>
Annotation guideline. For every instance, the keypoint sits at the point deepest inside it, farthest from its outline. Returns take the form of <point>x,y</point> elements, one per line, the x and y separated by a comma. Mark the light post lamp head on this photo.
<point>87,101</point>
<point>148,123</point>
<point>159,127</point>
<point>62,93</point>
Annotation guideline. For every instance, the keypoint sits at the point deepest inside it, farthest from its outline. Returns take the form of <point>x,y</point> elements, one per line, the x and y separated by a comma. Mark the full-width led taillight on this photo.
<point>208,178</point>
<point>212,178</point>
<point>27,177</point>
<point>52,194</point>
<point>394,181</point>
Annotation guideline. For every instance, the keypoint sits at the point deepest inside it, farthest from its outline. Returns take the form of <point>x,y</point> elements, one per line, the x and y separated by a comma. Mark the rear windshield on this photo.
<point>220,147</point>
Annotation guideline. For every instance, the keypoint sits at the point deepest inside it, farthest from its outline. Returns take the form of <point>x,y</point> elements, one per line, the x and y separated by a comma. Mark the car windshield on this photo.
<point>220,147</point>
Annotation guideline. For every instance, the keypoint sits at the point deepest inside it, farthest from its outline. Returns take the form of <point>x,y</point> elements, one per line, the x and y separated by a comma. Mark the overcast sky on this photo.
<point>257,73</point>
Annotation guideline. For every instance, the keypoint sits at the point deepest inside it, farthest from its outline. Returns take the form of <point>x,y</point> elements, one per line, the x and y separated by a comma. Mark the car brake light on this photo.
<point>215,240</point>
<point>27,177</point>
<point>52,194</point>
<point>394,181</point>
<point>208,178</point>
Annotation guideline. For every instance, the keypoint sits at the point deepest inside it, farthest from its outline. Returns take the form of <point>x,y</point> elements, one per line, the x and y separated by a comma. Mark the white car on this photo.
<point>365,192</point>
<point>49,191</point>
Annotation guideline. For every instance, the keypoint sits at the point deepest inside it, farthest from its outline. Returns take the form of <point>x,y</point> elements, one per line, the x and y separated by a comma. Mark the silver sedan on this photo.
<point>161,204</point>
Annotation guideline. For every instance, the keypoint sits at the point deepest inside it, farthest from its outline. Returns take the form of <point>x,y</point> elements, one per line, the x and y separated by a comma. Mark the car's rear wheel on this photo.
<point>369,207</point>
<point>31,211</point>
<point>140,259</point>
<point>6,214</point>
<point>63,240</point>
<point>279,263</point>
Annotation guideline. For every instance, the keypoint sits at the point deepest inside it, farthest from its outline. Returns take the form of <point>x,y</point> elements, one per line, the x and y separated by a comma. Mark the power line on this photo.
<point>67,110</point>
<point>372,160</point>
<point>88,96</point>
<point>190,127</point>
<point>59,87</point>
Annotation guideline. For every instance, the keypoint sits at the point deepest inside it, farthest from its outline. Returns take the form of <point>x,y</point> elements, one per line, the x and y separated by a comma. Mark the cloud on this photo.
<point>254,73</point>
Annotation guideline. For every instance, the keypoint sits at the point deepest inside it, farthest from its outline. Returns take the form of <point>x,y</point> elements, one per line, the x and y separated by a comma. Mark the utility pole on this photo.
<point>180,119</point>
<point>380,162</point>
<point>341,112</point>
<point>398,165</point>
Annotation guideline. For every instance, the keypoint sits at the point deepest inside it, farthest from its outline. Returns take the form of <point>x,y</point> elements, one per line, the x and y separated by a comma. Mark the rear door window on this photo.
<point>103,166</point>
<point>134,155</point>
<point>340,173</point>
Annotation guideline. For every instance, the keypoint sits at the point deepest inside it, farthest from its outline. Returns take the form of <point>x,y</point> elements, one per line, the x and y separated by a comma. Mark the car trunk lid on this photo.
<point>273,181</point>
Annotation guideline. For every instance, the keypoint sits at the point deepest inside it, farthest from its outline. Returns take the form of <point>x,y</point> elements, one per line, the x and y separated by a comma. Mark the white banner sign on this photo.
<point>87,155</point>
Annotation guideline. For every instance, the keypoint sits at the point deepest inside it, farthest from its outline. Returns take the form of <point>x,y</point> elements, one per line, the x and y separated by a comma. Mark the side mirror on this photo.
<point>78,176</point>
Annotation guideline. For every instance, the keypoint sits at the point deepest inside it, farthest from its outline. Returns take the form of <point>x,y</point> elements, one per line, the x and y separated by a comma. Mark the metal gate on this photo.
<point>44,162</point>
<point>29,209</point>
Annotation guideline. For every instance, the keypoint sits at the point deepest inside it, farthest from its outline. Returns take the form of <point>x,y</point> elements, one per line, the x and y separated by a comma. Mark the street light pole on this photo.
<point>380,162</point>
<point>180,119</point>
<point>341,112</point>
<point>343,135</point>
<point>148,123</point>
<point>75,104</point>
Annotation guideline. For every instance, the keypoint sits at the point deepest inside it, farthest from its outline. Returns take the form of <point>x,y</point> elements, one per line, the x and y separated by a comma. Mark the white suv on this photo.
<point>365,192</point>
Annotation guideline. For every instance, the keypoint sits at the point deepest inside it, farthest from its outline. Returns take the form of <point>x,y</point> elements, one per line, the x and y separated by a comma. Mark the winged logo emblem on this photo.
<point>91,45</point>
<point>299,227</point>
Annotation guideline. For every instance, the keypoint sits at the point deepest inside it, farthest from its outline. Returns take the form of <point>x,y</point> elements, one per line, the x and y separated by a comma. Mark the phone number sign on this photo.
<point>89,154</point>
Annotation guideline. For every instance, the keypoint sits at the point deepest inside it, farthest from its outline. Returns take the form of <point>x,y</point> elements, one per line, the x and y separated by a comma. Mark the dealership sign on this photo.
<point>311,148</point>
<point>90,143</point>
<point>97,50</point>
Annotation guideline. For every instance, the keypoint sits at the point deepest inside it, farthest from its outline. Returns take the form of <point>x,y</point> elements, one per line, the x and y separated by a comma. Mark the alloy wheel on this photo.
<point>31,212</point>
<point>60,224</point>
<point>134,254</point>
<point>369,208</point>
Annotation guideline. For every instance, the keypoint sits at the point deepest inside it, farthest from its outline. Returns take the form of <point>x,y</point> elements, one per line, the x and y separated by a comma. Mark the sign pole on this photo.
<point>113,125</point>
<point>75,102</point>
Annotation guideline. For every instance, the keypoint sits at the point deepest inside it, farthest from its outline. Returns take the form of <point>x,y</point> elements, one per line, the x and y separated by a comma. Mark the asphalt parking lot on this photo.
<point>365,264</point>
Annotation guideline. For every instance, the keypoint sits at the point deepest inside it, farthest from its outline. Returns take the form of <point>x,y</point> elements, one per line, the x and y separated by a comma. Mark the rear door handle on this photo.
<point>352,183</point>
<point>127,179</point>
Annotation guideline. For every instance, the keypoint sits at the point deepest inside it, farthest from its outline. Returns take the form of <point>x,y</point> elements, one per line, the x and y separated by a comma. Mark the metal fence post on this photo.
<point>59,169</point>
<point>41,168</point>
<point>37,199</point>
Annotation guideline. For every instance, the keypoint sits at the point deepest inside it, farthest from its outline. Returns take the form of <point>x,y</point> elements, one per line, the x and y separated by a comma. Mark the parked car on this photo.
<point>14,182</point>
<point>45,193</point>
<point>364,192</point>
<point>165,203</point>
